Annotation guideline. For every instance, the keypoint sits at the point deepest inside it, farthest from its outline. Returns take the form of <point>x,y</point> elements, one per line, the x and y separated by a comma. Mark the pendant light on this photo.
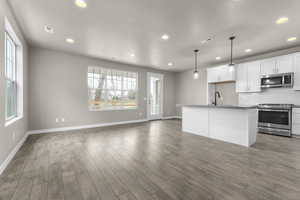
<point>231,41</point>
<point>196,73</point>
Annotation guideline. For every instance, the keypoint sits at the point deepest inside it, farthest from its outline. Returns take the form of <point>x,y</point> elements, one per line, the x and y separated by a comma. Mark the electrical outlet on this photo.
<point>62,119</point>
<point>56,120</point>
<point>140,113</point>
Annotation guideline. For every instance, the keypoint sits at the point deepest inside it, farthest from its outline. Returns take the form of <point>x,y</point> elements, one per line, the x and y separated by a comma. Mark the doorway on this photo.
<point>155,96</point>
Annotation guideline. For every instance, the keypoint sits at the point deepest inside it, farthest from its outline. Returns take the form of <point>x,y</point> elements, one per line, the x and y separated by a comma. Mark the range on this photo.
<point>275,119</point>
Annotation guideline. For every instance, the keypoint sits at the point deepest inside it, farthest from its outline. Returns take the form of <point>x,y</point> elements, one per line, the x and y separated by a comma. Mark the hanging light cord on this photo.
<point>231,53</point>
<point>196,64</point>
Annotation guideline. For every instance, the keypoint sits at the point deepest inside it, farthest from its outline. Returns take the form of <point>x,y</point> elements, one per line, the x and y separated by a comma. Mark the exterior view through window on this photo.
<point>110,89</point>
<point>10,78</point>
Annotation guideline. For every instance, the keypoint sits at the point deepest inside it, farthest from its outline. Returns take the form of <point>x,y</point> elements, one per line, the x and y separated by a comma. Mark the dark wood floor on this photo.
<point>151,161</point>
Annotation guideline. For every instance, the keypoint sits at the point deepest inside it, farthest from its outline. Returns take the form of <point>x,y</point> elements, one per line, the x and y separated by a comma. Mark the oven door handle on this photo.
<point>268,110</point>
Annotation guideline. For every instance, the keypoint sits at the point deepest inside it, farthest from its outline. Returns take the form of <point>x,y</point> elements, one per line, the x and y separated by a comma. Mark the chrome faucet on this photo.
<point>217,94</point>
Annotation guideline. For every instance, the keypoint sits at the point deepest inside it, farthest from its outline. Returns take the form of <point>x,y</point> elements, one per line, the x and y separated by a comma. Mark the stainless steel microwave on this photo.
<point>277,80</point>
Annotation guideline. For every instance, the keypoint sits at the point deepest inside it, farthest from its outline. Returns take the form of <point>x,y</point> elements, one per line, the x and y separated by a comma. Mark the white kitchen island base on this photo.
<point>234,124</point>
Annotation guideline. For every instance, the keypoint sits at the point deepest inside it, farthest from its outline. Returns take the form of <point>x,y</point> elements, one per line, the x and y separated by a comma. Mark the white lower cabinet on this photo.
<point>195,121</point>
<point>248,77</point>
<point>296,121</point>
<point>297,71</point>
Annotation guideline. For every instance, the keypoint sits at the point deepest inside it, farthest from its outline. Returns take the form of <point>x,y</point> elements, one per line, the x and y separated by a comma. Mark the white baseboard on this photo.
<point>12,153</point>
<point>172,117</point>
<point>84,127</point>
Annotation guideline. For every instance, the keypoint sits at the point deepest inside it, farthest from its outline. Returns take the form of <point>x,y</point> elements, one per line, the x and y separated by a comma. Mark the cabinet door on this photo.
<point>212,75</point>
<point>284,64</point>
<point>253,77</point>
<point>241,78</point>
<point>297,71</point>
<point>223,74</point>
<point>220,74</point>
<point>268,67</point>
<point>230,73</point>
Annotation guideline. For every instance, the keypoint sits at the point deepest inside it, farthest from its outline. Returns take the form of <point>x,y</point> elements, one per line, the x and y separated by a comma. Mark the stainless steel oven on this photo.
<point>277,80</point>
<point>275,119</point>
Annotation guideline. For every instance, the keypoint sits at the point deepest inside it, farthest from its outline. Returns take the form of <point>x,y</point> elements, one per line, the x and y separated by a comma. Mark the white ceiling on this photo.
<point>113,29</point>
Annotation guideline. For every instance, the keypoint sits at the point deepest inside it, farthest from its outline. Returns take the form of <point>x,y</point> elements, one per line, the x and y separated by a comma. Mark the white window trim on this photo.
<point>19,74</point>
<point>117,108</point>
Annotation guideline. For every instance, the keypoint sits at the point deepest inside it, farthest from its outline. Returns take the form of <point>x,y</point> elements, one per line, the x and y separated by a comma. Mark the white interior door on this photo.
<point>155,96</point>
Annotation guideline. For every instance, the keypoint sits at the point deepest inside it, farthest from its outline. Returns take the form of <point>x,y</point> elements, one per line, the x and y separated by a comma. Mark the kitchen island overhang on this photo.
<point>234,124</point>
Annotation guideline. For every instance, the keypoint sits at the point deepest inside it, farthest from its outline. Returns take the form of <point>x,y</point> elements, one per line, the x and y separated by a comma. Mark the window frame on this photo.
<point>16,78</point>
<point>116,108</point>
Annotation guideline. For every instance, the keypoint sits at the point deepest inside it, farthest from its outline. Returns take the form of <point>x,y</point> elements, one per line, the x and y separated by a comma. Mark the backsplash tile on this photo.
<point>272,95</point>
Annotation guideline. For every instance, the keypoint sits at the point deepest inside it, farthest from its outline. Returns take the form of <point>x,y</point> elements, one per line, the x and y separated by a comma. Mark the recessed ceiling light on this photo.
<point>248,50</point>
<point>132,55</point>
<point>81,3</point>
<point>165,37</point>
<point>48,29</point>
<point>291,39</point>
<point>70,40</point>
<point>218,58</point>
<point>170,64</point>
<point>282,20</point>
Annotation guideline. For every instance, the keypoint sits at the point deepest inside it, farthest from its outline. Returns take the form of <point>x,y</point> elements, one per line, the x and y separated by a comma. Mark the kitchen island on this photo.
<point>234,124</point>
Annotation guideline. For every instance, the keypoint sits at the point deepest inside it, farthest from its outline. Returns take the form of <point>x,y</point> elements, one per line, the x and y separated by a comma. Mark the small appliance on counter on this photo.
<point>275,119</point>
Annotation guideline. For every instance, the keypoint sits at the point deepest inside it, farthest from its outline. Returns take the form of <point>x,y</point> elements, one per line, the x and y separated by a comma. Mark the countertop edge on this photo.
<point>221,106</point>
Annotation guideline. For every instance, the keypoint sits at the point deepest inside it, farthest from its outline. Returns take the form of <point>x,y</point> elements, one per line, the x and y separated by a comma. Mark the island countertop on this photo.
<point>220,106</point>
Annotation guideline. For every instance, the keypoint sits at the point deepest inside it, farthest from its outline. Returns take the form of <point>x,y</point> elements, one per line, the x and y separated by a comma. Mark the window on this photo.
<point>112,89</point>
<point>13,76</point>
<point>10,77</point>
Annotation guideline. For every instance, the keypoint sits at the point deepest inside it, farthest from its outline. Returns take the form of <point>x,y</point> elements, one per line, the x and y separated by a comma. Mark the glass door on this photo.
<point>155,96</point>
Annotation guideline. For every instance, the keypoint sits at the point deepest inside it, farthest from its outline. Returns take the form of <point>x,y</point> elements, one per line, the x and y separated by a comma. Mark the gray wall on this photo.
<point>189,90</point>
<point>228,94</point>
<point>19,128</point>
<point>58,88</point>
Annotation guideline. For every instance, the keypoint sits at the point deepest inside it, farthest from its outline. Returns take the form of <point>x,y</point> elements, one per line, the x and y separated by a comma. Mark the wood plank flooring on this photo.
<point>151,161</point>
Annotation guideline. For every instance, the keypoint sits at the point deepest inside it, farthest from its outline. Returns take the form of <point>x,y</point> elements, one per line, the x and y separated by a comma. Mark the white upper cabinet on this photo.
<point>242,78</point>
<point>220,74</point>
<point>297,71</point>
<point>284,64</point>
<point>249,74</point>
<point>212,75</point>
<point>268,66</point>
<point>277,65</point>
<point>254,77</point>
<point>248,77</point>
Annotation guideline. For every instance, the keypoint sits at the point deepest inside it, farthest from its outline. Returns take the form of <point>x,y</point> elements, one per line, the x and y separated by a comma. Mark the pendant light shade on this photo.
<point>231,50</point>
<point>196,73</point>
